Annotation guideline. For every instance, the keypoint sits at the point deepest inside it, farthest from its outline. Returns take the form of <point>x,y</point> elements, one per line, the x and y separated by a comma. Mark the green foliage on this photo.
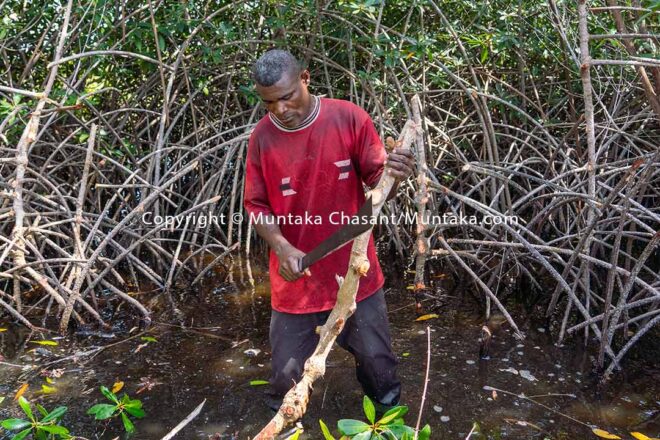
<point>124,408</point>
<point>46,428</point>
<point>390,426</point>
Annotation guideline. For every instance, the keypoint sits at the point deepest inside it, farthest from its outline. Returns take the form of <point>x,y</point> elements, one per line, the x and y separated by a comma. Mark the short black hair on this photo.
<point>270,67</point>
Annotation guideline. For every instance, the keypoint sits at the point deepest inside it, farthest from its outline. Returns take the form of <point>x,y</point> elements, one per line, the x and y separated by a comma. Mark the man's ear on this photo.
<point>305,76</point>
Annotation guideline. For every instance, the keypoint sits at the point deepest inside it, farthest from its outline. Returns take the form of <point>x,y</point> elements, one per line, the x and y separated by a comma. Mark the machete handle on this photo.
<point>303,263</point>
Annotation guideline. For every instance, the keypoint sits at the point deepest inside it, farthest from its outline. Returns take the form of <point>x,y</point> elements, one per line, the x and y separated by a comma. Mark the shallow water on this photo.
<point>223,319</point>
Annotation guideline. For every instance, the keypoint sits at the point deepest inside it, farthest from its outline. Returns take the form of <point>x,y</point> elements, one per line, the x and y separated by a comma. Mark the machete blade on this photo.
<point>341,236</point>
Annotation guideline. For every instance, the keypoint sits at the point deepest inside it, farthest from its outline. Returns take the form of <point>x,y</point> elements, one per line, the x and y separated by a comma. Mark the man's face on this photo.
<point>288,99</point>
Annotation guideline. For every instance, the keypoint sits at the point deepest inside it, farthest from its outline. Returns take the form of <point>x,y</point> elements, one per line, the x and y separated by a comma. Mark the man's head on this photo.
<point>282,85</point>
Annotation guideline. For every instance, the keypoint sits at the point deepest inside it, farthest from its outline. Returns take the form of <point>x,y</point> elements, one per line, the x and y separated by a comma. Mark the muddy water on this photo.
<point>218,344</point>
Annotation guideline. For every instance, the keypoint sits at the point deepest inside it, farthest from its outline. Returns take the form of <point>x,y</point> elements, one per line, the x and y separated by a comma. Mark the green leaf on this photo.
<point>425,433</point>
<point>295,435</point>
<point>401,431</point>
<point>25,406</point>
<point>55,429</point>
<point>54,414</point>
<point>149,339</point>
<point>257,382</point>
<point>40,435</point>
<point>135,412</point>
<point>351,427</point>
<point>2,399</point>
<point>369,409</point>
<point>102,411</point>
<point>325,431</point>
<point>21,435</point>
<point>366,435</point>
<point>133,403</point>
<point>109,394</point>
<point>394,413</point>
<point>41,409</point>
<point>128,425</point>
<point>14,424</point>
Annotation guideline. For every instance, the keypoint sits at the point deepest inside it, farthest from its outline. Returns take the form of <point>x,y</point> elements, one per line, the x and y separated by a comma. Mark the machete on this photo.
<point>358,224</point>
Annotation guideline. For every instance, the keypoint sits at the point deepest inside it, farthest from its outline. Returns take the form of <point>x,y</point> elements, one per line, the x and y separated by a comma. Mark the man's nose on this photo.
<point>280,108</point>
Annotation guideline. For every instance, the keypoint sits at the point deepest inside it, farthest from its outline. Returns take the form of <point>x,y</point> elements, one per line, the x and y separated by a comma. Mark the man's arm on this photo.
<point>256,201</point>
<point>400,164</point>
<point>288,255</point>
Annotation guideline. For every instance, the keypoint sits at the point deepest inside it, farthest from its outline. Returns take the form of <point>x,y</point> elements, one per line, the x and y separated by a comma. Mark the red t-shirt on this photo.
<point>314,173</point>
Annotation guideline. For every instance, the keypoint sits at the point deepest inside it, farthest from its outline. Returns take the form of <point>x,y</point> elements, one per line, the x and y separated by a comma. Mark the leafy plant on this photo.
<point>47,428</point>
<point>123,408</point>
<point>389,427</point>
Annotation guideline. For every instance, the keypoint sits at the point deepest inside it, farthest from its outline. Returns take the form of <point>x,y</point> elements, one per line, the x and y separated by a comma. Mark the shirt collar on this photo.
<point>309,120</point>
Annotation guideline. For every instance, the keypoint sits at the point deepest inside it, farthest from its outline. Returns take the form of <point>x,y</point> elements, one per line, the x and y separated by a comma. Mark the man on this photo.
<point>310,156</point>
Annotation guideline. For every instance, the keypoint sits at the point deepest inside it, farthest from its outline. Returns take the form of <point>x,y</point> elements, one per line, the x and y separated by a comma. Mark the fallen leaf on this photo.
<point>2,399</point>
<point>2,329</point>
<point>21,391</point>
<point>49,380</point>
<point>48,390</point>
<point>442,275</point>
<point>259,382</point>
<point>44,342</point>
<point>604,434</point>
<point>149,339</point>
<point>411,287</point>
<point>525,374</point>
<point>117,387</point>
<point>494,395</point>
<point>427,317</point>
<point>405,355</point>
<point>640,436</point>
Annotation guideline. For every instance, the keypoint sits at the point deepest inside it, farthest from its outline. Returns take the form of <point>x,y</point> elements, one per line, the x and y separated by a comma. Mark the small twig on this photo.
<point>474,427</point>
<point>185,421</point>
<point>426,379</point>
<point>521,396</point>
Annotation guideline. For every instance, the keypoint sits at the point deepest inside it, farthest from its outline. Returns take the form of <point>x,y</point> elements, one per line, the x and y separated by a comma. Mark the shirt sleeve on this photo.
<point>370,153</point>
<point>255,197</point>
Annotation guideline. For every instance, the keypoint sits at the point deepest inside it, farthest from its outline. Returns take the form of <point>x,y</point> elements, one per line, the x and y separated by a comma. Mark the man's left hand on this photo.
<point>400,164</point>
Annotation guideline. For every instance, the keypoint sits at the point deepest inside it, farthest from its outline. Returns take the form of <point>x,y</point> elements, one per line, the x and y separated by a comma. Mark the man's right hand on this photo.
<point>290,259</point>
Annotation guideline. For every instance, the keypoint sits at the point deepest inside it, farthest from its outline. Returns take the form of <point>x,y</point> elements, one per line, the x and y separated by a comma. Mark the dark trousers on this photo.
<point>366,335</point>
